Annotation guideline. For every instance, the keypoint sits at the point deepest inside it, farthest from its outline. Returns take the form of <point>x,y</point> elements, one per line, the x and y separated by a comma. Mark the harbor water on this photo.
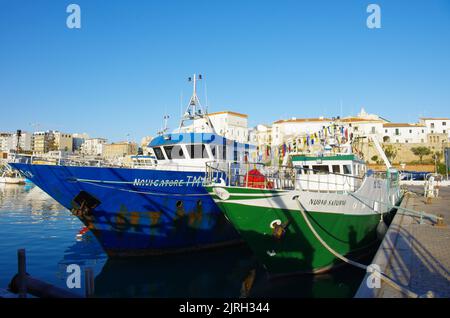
<point>30,219</point>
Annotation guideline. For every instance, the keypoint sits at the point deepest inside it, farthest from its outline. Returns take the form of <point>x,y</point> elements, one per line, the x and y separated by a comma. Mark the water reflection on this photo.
<point>216,274</point>
<point>31,219</point>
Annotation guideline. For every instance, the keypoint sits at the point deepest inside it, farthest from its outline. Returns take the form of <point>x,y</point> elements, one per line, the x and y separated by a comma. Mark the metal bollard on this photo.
<point>89,282</point>
<point>21,273</point>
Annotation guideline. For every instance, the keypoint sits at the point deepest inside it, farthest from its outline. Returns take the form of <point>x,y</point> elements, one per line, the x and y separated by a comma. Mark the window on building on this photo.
<point>432,125</point>
<point>410,131</point>
<point>197,151</point>
<point>397,132</point>
<point>158,153</point>
<point>385,131</point>
<point>174,152</point>
<point>444,123</point>
<point>444,131</point>
<point>373,130</point>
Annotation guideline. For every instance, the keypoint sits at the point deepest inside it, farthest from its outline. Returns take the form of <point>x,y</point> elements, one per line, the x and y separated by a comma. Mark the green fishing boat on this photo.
<point>296,219</point>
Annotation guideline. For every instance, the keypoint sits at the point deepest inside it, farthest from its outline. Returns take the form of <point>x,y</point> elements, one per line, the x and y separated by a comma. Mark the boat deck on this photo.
<point>415,255</point>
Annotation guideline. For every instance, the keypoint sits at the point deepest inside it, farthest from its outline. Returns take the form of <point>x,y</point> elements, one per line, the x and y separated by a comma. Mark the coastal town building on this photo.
<point>404,133</point>
<point>437,139</point>
<point>42,142</point>
<point>231,125</point>
<point>22,141</point>
<point>363,124</point>
<point>51,140</point>
<point>10,142</point>
<point>78,140</point>
<point>145,141</point>
<point>5,141</point>
<point>119,149</point>
<point>438,125</point>
<point>93,146</point>
<point>297,127</point>
<point>261,137</point>
<point>62,141</point>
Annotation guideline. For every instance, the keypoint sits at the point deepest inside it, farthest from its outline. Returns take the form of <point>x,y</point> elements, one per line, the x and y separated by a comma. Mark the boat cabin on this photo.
<point>195,149</point>
<point>334,172</point>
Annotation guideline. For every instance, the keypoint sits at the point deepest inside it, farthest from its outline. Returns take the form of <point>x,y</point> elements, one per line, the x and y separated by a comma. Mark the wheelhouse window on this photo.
<point>219,152</point>
<point>347,169</point>
<point>174,152</point>
<point>158,153</point>
<point>197,151</point>
<point>302,169</point>
<point>336,169</point>
<point>320,169</point>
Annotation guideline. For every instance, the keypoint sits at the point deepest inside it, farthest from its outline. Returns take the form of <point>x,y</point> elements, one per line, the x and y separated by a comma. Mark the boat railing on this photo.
<point>258,175</point>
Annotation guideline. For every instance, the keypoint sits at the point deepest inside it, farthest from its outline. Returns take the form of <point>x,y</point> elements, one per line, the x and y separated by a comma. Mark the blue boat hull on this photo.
<point>136,212</point>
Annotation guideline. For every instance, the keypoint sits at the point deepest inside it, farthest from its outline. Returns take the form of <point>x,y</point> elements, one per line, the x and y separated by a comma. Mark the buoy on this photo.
<point>80,234</point>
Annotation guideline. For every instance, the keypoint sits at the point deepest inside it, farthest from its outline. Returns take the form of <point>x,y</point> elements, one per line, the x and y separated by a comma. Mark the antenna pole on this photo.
<point>194,94</point>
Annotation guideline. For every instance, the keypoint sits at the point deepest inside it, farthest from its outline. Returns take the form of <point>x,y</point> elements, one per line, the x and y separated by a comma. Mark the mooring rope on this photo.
<point>381,275</point>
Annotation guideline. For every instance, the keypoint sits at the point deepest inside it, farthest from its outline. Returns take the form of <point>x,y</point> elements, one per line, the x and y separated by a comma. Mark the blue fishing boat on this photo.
<point>155,209</point>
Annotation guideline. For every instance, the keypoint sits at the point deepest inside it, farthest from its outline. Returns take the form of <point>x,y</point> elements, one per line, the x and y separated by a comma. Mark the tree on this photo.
<point>420,152</point>
<point>390,152</point>
<point>374,158</point>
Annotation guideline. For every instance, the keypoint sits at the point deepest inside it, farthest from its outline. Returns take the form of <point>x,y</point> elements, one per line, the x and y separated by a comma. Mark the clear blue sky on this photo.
<point>129,62</point>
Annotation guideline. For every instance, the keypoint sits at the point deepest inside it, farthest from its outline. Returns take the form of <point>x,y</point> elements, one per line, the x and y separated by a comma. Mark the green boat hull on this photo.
<point>297,250</point>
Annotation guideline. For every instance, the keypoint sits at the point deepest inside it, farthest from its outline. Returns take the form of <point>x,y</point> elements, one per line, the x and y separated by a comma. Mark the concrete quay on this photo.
<point>415,253</point>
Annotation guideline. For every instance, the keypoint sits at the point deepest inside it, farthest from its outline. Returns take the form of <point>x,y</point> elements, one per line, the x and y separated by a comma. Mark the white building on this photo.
<point>295,127</point>
<point>231,125</point>
<point>10,141</point>
<point>77,140</point>
<point>145,141</point>
<point>5,141</point>
<point>404,133</point>
<point>25,140</point>
<point>361,127</point>
<point>436,125</point>
<point>93,146</point>
<point>363,124</point>
<point>261,137</point>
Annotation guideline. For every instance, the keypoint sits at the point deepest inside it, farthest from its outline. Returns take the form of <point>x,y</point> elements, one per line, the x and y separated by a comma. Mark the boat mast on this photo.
<point>380,150</point>
<point>194,110</point>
